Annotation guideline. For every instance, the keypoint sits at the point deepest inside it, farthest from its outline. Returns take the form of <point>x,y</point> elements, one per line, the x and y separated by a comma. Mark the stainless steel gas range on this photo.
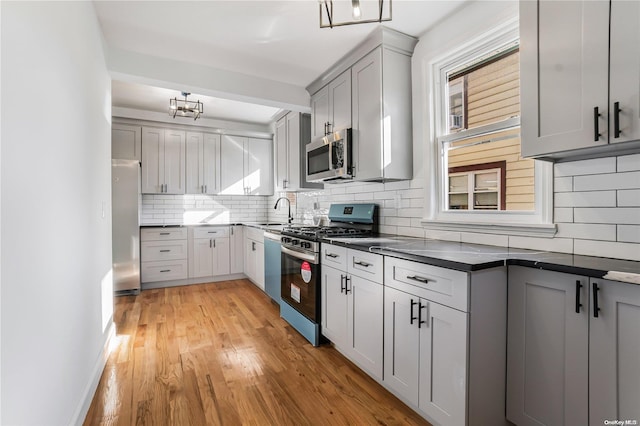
<point>300,284</point>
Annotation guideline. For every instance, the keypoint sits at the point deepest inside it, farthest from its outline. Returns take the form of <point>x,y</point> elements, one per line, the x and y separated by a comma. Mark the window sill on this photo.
<point>547,230</point>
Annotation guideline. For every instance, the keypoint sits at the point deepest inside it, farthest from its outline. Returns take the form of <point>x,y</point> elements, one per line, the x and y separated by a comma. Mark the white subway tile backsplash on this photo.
<point>616,250</point>
<point>410,231</point>
<point>629,234</point>
<point>561,245</point>
<point>563,184</point>
<point>587,231</point>
<point>586,167</point>
<point>616,215</point>
<point>393,186</point>
<point>628,163</point>
<point>388,229</point>
<point>437,234</point>
<point>397,221</point>
<point>629,198</point>
<point>488,239</point>
<point>585,199</point>
<point>626,180</point>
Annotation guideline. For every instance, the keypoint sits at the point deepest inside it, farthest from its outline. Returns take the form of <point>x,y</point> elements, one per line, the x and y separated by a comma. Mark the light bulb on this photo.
<point>356,9</point>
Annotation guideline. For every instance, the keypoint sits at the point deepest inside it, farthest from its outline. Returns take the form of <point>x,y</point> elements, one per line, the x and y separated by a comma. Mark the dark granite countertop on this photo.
<point>261,225</point>
<point>473,257</point>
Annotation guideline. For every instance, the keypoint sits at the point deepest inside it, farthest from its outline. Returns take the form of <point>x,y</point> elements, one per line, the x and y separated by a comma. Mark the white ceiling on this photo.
<point>272,39</point>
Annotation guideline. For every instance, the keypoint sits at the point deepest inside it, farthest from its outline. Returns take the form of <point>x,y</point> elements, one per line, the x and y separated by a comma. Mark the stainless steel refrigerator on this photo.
<point>126,201</point>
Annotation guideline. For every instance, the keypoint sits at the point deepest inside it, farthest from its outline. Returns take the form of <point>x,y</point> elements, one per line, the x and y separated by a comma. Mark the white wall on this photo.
<point>56,225</point>
<point>597,201</point>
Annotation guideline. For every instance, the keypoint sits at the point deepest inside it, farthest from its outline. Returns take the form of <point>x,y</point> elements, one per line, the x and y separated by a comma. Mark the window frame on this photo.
<point>531,223</point>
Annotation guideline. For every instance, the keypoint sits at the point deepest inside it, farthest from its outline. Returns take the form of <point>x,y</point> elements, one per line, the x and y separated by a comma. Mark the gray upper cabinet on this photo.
<point>381,115</point>
<point>126,142</point>
<point>163,161</point>
<point>246,166</point>
<point>573,101</point>
<point>369,90</point>
<point>567,366</point>
<point>292,134</point>
<point>203,159</point>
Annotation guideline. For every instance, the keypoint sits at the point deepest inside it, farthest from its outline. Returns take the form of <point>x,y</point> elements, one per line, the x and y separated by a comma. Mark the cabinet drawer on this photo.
<point>165,270</point>
<point>335,256</point>
<point>254,233</point>
<point>211,232</point>
<point>162,234</point>
<point>365,265</point>
<point>441,285</point>
<point>163,250</point>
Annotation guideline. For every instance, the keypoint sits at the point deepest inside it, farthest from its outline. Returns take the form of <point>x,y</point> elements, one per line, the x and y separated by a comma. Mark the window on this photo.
<point>481,177</point>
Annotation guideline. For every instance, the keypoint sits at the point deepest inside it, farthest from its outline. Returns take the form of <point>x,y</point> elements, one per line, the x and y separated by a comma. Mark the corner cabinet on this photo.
<point>254,256</point>
<point>581,96</point>
<point>203,160</point>
<point>163,161</point>
<point>292,135</point>
<point>352,305</point>
<point>246,166</point>
<point>573,349</point>
<point>378,75</point>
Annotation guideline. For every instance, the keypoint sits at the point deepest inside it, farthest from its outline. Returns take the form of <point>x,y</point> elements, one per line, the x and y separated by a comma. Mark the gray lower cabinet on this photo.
<point>236,249</point>
<point>352,303</point>
<point>567,366</point>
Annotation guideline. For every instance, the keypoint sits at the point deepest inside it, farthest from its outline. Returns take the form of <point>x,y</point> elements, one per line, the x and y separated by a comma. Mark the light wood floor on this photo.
<point>219,354</point>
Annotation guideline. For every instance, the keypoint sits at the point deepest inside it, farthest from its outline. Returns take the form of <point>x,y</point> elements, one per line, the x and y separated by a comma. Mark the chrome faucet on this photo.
<point>290,218</point>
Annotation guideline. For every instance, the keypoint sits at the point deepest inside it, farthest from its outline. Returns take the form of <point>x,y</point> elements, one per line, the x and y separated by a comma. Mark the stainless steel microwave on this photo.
<point>329,157</point>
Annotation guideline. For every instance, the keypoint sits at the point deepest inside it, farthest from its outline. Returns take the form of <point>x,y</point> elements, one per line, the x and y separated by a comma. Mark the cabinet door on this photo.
<point>625,69</point>
<point>221,264</point>
<point>282,155</point>
<point>259,259</point>
<point>174,161</point>
<point>293,151</point>
<point>232,165</point>
<point>547,354</point>
<point>152,175</point>
<point>365,316</point>
<point>334,306</point>
<point>367,116</point>
<point>564,53</point>
<point>614,351</point>
<point>340,101</point>
<point>250,259</point>
<point>193,169</point>
<point>202,258</point>
<point>259,170</point>
<point>211,163</point>
<point>319,112</point>
<point>126,142</point>
<point>443,363</point>
<point>236,250</point>
<point>401,344</point>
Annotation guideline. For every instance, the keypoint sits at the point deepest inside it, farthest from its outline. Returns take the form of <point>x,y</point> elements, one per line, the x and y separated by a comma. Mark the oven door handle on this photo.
<point>299,255</point>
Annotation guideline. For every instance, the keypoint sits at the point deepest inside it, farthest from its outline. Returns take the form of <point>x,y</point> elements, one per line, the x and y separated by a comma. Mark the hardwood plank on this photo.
<point>219,354</point>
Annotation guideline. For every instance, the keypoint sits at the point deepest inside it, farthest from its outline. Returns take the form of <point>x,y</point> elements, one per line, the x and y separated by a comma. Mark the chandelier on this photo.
<point>357,12</point>
<point>184,107</point>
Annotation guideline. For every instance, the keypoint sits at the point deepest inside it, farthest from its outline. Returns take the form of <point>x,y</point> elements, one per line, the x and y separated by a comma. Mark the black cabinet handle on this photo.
<point>165,233</point>
<point>253,246</point>
<point>412,317</point>
<point>365,264</point>
<point>420,321</point>
<point>596,309</point>
<point>331,255</point>
<point>418,278</point>
<point>166,270</point>
<point>578,304</point>
<point>210,243</point>
<point>596,125</point>
<point>347,290</point>
<point>165,251</point>
<point>616,120</point>
<point>343,286</point>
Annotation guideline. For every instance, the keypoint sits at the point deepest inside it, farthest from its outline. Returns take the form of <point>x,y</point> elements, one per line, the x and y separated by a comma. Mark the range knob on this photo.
<point>285,239</point>
<point>295,242</point>
<point>305,245</point>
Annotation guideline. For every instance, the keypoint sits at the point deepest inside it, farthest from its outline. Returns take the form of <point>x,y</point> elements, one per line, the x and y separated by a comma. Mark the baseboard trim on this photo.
<point>90,390</point>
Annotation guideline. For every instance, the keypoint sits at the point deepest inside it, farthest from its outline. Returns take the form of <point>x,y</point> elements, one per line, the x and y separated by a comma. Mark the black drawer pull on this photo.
<point>212,232</point>
<point>343,286</point>
<point>347,290</point>
<point>420,320</point>
<point>332,255</point>
<point>165,251</point>
<point>578,304</point>
<point>418,278</point>
<point>165,233</point>
<point>365,264</point>
<point>596,125</point>
<point>616,120</point>
<point>166,270</point>
<point>596,308</point>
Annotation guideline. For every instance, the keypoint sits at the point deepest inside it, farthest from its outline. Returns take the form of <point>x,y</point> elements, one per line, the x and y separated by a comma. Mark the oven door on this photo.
<point>300,282</point>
